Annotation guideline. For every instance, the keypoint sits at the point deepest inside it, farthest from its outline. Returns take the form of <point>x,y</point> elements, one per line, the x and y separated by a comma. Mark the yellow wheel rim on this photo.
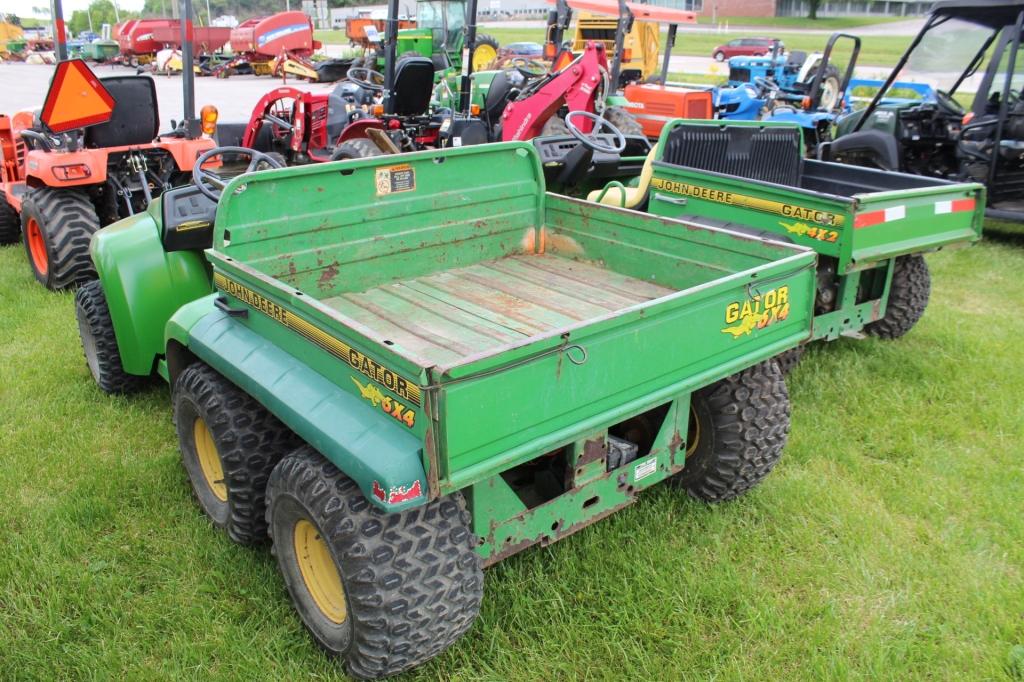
<point>319,572</point>
<point>483,55</point>
<point>693,433</point>
<point>209,460</point>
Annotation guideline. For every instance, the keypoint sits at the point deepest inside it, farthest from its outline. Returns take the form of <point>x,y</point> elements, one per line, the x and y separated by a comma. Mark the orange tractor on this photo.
<point>92,156</point>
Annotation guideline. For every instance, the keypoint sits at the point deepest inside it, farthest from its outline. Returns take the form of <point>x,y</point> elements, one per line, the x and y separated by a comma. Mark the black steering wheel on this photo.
<point>367,81</point>
<point>211,184</point>
<point>591,141</point>
<point>530,68</point>
<point>946,101</point>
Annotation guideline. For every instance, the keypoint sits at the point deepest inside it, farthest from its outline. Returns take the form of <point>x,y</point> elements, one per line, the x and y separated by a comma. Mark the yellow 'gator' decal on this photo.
<point>366,366</point>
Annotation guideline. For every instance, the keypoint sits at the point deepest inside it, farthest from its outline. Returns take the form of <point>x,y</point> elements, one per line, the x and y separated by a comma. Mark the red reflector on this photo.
<point>75,171</point>
<point>394,124</point>
<point>869,219</point>
<point>964,205</point>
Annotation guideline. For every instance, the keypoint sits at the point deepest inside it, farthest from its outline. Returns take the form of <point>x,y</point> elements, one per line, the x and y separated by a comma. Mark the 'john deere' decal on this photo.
<point>757,312</point>
<point>366,366</point>
<point>721,196</point>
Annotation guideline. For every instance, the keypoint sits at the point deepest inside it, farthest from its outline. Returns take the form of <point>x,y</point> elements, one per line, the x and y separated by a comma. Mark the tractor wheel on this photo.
<point>738,428</point>
<point>485,53</point>
<point>789,359</point>
<point>830,83</point>
<point>382,592</point>
<point>356,148</point>
<point>56,226</point>
<point>624,121</point>
<point>719,56</point>
<point>10,224</point>
<point>908,297</point>
<point>99,343</point>
<point>229,445</point>
<point>554,126</point>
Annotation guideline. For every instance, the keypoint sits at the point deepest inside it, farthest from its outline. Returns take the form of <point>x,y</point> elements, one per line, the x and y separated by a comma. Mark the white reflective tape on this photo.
<point>895,213</point>
<point>943,207</point>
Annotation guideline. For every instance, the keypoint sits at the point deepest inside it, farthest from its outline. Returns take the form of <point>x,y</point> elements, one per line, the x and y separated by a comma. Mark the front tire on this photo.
<point>382,592</point>
<point>485,52</point>
<point>738,429</point>
<point>57,226</point>
<point>102,355</point>
<point>229,445</point>
<point>624,121</point>
<point>10,224</point>
<point>719,56</point>
<point>356,148</point>
<point>908,297</point>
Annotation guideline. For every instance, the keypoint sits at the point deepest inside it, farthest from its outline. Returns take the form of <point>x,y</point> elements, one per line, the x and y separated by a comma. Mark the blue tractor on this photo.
<point>806,90</point>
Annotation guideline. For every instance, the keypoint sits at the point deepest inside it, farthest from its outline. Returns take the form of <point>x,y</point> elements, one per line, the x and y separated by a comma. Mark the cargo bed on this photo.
<point>507,320</point>
<point>755,175</point>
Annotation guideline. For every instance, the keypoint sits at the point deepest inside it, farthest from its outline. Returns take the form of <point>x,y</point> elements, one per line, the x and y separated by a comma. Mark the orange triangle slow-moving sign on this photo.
<point>76,98</point>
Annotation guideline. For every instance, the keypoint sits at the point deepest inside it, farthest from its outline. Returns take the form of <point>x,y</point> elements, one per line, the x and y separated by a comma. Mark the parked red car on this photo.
<point>752,47</point>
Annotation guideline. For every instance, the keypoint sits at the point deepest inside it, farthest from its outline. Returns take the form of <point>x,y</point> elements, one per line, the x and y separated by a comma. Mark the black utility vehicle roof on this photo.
<point>993,13</point>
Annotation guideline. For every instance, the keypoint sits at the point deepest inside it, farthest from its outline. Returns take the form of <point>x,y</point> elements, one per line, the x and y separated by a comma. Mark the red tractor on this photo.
<point>87,161</point>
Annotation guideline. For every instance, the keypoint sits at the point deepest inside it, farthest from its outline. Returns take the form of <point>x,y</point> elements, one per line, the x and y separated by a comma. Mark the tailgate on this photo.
<point>888,224</point>
<point>499,411</point>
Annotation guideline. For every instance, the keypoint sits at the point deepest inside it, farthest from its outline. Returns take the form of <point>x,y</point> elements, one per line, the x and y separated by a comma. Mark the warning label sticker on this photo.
<point>394,179</point>
<point>645,468</point>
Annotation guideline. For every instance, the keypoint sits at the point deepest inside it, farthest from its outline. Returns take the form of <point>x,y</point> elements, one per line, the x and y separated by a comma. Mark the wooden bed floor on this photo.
<point>456,313</point>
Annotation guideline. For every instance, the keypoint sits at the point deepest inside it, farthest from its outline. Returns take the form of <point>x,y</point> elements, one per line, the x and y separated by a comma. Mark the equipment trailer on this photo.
<point>427,366</point>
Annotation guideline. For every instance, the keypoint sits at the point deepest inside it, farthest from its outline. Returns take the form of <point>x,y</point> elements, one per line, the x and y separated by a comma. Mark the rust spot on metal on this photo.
<point>593,450</point>
<point>675,442</point>
<point>328,275</point>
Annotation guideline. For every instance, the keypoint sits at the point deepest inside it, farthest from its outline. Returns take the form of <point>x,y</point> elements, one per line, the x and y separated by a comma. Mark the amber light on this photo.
<point>378,109</point>
<point>474,109</point>
<point>627,55</point>
<point>208,119</point>
<point>549,51</point>
<point>75,171</point>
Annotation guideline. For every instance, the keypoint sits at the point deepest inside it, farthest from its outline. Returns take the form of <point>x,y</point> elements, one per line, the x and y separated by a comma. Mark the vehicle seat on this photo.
<point>414,84</point>
<point>135,119</point>
<point>796,60</point>
<point>497,97</point>
<point>617,194</point>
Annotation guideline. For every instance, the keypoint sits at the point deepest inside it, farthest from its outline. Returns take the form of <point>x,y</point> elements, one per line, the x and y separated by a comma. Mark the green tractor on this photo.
<point>440,35</point>
<point>403,369</point>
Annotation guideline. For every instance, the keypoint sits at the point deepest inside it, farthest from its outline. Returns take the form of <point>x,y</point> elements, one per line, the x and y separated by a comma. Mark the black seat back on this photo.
<point>796,59</point>
<point>414,83</point>
<point>768,153</point>
<point>135,119</point>
<point>497,96</point>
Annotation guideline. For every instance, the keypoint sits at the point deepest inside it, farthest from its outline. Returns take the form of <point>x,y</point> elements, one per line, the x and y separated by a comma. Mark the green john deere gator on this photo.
<point>407,368</point>
<point>869,227</point>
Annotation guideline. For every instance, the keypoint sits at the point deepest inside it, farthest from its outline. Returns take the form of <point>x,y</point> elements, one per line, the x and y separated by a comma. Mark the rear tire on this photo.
<point>908,298</point>
<point>719,56</point>
<point>738,429</point>
<point>10,223</point>
<point>356,148</point>
<point>382,592</point>
<point>57,226</point>
<point>485,52</point>
<point>789,359</point>
<point>624,121</point>
<point>96,329</point>
<point>229,445</point>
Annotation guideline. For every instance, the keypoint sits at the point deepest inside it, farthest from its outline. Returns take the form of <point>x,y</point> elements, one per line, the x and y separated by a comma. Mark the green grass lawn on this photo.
<point>888,544</point>
<point>875,50</point>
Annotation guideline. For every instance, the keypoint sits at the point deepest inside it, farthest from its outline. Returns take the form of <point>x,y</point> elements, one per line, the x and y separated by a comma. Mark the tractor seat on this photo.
<point>497,97</point>
<point>414,85</point>
<point>617,194</point>
<point>796,59</point>
<point>135,119</point>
